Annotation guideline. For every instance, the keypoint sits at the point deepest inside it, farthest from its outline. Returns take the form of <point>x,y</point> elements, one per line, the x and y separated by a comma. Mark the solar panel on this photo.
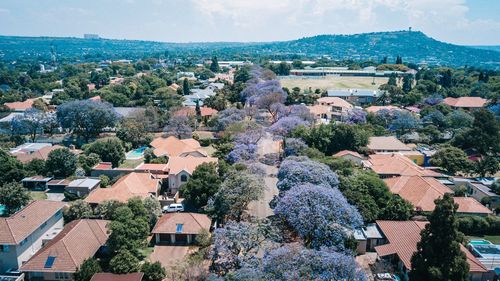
<point>179,228</point>
<point>50,261</point>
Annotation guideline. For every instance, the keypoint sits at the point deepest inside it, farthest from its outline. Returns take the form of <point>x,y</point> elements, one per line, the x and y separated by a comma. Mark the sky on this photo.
<point>465,22</point>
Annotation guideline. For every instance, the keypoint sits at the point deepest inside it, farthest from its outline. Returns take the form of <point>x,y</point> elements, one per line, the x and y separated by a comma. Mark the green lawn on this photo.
<point>493,239</point>
<point>147,252</point>
<point>38,195</point>
<point>131,163</point>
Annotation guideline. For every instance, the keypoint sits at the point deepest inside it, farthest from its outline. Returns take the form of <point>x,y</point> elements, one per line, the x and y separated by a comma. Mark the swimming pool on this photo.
<point>2,209</point>
<point>480,242</point>
<point>136,153</point>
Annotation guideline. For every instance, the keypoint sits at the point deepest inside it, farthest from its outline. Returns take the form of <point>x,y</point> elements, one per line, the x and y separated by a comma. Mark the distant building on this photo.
<point>466,102</point>
<point>386,144</point>
<point>90,36</point>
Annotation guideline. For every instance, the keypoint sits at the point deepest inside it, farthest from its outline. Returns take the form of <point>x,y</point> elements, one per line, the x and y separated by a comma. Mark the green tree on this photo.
<point>128,232</point>
<point>487,166</point>
<point>35,167</point>
<point>79,209</point>
<point>214,65</point>
<point>485,132</point>
<point>11,169</point>
<point>13,196</point>
<point>106,210</point>
<point>88,268</point>
<point>185,87</point>
<point>124,262</point>
<point>452,159</point>
<point>153,271</point>
<point>392,80</point>
<point>61,163</point>
<point>438,255</point>
<point>134,132</point>
<point>109,150</point>
<point>87,162</point>
<point>203,184</point>
<point>153,210</point>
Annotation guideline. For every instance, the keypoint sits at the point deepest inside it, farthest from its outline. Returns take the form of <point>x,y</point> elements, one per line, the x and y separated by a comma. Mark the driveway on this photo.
<point>55,196</point>
<point>168,255</point>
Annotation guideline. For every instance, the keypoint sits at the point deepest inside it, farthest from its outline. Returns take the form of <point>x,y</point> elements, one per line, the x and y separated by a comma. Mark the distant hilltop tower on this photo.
<point>409,29</point>
<point>90,36</point>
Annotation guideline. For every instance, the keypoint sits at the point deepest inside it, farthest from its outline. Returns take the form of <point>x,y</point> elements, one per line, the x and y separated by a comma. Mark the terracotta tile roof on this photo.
<point>419,191</point>
<point>20,105</point>
<point>334,101</point>
<point>376,108</point>
<point>465,102</point>
<point>396,164</point>
<point>188,164</point>
<point>42,154</point>
<point>18,226</point>
<point>471,206</point>
<point>192,223</point>
<point>128,186</point>
<point>96,98</point>
<point>152,167</point>
<point>103,166</point>
<point>173,146</point>
<point>105,276</point>
<point>403,237</point>
<point>191,111</point>
<point>386,143</point>
<point>78,241</point>
<point>347,152</point>
<point>174,86</point>
<point>319,109</point>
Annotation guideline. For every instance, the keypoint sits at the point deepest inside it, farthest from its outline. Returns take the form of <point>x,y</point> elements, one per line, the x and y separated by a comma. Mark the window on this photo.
<point>59,213</point>
<point>4,248</point>
<point>24,242</point>
<point>179,228</point>
<point>43,225</point>
<point>184,178</point>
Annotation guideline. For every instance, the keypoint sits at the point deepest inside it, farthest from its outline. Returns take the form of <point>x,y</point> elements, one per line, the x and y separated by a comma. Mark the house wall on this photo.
<point>174,181</point>
<point>80,190</point>
<point>21,253</point>
<point>50,276</point>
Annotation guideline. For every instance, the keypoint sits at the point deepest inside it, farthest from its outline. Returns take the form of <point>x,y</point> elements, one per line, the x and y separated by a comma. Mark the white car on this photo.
<point>173,208</point>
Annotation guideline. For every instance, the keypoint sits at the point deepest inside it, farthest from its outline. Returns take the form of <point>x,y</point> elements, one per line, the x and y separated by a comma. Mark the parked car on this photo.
<point>173,208</point>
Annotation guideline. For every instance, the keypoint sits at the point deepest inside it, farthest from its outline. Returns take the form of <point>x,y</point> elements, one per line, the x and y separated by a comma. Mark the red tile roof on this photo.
<point>466,102</point>
<point>103,166</point>
<point>376,108</point>
<point>42,154</point>
<point>128,186</point>
<point>396,164</point>
<point>152,167</point>
<point>403,237</point>
<point>20,105</point>
<point>191,111</point>
<point>390,143</point>
<point>188,164</point>
<point>173,146</point>
<point>79,240</point>
<point>469,205</point>
<point>192,223</point>
<point>347,152</point>
<point>20,225</point>
<point>334,101</point>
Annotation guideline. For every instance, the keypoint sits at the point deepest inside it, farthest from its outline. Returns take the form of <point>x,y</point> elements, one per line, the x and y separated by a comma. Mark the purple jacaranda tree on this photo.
<point>404,122</point>
<point>354,116</point>
<point>242,153</point>
<point>251,136</point>
<point>433,99</point>
<point>294,262</point>
<point>179,126</point>
<point>229,116</point>
<point>284,126</point>
<point>386,116</point>
<point>436,118</point>
<point>31,122</point>
<point>321,216</point>
<point>294,147</point>
<point>296,171</point>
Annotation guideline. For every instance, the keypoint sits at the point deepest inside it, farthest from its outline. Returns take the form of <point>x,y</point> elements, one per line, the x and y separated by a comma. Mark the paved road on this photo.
<point>260,208</point>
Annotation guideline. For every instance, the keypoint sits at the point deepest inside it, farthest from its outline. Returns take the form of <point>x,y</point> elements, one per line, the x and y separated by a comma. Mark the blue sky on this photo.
<point>468,22</point>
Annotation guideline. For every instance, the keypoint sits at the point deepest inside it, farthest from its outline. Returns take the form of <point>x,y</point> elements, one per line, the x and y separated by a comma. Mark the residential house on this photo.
<point>421,192</point>
<point>153,168</point>
<point>36,182</point>
<point>487,253</point>
<point>180,228</point>
<point>181,169</point>
<point>482,192</point>
<point>82,187</point>
<point>356,96</point>
<point>106,276</point>
<point>57,185</point>
<point>377,108</point>
<point>63,255</point>
<point>350,155</point>
<point>190,111</point>
<point>106,168</point>
<point>331,108</point>
<point>24,233</point>
<point>368,238</point>
<point>402,238</point>
<point>386,144</point>
<point>466,102</point>
<point>393,165</point>
<point>172,147</point>
<point>141,185</point>
<point>30,151</point>
<point>198,96</point>
<point>20,106</point>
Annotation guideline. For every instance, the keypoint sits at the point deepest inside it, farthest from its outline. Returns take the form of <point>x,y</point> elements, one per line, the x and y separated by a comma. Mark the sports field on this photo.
<point>332,82</point>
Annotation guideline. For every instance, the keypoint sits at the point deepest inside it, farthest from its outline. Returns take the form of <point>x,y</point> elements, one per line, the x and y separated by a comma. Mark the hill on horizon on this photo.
<point>413,46</point>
